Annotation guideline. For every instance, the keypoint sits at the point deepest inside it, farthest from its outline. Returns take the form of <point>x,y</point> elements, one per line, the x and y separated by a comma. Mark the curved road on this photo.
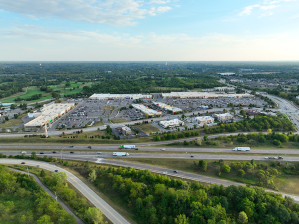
<point>96,200</point>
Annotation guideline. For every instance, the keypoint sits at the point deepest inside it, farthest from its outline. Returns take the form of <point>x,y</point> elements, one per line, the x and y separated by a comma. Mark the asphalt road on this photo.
<point>93,157</point>
<point>96,148</point>
<point>96,200</point>
<point>78,220</point>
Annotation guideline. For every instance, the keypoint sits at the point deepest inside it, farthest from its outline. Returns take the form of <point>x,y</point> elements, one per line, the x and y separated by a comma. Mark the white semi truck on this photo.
<point>120,154</point>
<point>241,149</point>
<point>128,147</point>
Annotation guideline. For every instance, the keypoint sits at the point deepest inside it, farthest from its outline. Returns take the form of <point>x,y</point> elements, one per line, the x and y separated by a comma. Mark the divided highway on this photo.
<point>96,200</point>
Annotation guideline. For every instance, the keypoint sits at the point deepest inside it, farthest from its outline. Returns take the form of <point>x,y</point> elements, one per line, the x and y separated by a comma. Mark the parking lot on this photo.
<point>90,112</point>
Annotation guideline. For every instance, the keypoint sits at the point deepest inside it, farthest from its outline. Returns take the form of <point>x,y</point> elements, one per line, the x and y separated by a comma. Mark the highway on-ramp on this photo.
<point>96,200</point>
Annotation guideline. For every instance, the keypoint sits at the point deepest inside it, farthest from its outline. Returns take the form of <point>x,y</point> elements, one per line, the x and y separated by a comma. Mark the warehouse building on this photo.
<point>146,110</point>
<point>172,123</point>
<point>108,96</point>
<point>203,95</point>
<point>204,120</point>
<point>174,110</point>
<point>48,113</point>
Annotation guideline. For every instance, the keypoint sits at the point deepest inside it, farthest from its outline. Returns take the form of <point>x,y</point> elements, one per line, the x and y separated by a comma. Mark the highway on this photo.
<point>96,200</point>
<point>98,148</point>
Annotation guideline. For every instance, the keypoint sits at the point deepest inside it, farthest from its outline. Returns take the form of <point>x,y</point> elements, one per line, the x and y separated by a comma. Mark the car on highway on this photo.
<point>280,157</point>
<point>71,152</point>
<point>71,146</point>
<point>56,171</point>
<point>41,153</point>
<point>23,163</point>
<point>175,171</point>
<point>164,172</point>
<point>23,152</point>
<point>54,151</point>
<point>37,165</point>
<point>98,152</point>
<point>89,147</point>
<point>192,156</point>
<point>162,149</point>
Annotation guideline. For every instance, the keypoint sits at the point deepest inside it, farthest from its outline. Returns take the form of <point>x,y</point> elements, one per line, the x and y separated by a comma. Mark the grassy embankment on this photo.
<point>283,182</point>
<point>147,128</point>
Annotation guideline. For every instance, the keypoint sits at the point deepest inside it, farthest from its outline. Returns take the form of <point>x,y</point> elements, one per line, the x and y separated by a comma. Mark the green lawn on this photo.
<point>147,128</point>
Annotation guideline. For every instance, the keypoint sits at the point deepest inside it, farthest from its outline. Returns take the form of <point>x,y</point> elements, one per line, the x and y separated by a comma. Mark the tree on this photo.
<point>243,113</point>
<point>243,219</point>
<point>33,154</point>
<point>42,173</point>
<point>181,219</point>
<point>13,106</point>
<point>203,165</point>
<point>45,219</point>
<point>92,176</point>
<point>205,137</point>
<point>146,116</point>
<point>226,168</point>
<point>241,173</point>
<point>94,215</point>
<point>276,142</point>
<point>16,116</point>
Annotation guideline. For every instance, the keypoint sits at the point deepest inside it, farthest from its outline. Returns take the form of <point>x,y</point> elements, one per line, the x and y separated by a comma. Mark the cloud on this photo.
<point>111,12</point>
<point>248,9</point>
<point>266,14</point>
<point>159,1</point>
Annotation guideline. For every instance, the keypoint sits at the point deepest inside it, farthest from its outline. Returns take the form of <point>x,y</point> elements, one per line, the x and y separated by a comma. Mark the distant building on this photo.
<point>108,96</point>
<point>172,123</point>
<point>204,119</point>
<point>226,74</point>
<point>126,130</point>
<point>203,95</point>
<point>224,117</point>
<point>150,112</point>
<point>167,107</point>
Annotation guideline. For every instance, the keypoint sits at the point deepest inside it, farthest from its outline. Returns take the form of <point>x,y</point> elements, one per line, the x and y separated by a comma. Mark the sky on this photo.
<point>149,30</point>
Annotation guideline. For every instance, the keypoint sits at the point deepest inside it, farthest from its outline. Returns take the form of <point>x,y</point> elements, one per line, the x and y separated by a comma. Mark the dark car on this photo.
<point>54,151</point>
<point>89,147</point>
<point>56,171</point>
<point>280,157</point>
<point>71,152</point>
<point>41,153</point>
<point>136,148</point>
<point>192,156</point>
<point>71,146</point>
<point>23,163</point>
<point>175,171</point>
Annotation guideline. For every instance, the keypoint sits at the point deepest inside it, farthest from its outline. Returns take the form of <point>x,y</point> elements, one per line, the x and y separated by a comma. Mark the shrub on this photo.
<point>241,173</point>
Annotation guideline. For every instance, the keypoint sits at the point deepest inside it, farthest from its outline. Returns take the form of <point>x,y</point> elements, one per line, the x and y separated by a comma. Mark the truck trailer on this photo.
<point>241,149</point>
<point>128,147</point>
<point>120,154</point>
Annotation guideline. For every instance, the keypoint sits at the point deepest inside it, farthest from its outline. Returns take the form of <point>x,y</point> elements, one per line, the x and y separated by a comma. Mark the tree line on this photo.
<point>155,198</point>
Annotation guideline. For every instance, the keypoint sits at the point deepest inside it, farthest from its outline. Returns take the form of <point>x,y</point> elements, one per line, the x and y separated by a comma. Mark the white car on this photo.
<point>99,152</point>
<point>162,149</point>
<point>23,152</point>
<point>164,172</point>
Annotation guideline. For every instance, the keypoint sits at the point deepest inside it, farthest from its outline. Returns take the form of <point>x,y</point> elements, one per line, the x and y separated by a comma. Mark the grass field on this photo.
<point>147,128</point>
<point>12,122</point>
<point>284,183</point>
<point>34,90</point>
<point>116,121</point>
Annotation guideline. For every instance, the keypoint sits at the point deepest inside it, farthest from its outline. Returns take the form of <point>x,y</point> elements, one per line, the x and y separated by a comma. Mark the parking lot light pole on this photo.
<point>61,153</point>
